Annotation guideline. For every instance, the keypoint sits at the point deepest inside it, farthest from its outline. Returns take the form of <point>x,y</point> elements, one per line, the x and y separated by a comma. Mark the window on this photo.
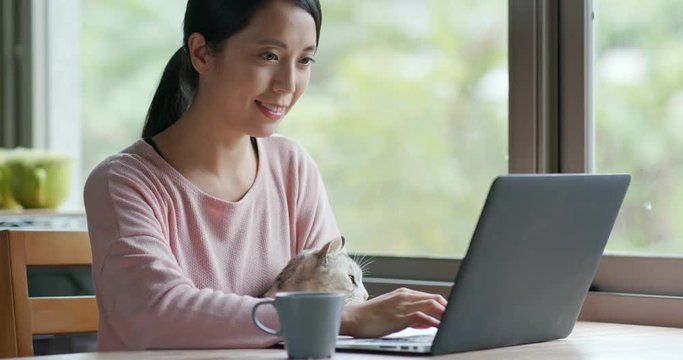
<point>125,45</point>
<point>638,74</point>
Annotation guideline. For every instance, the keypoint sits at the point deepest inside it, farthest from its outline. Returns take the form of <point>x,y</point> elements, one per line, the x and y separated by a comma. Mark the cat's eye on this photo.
<point>353,280</point>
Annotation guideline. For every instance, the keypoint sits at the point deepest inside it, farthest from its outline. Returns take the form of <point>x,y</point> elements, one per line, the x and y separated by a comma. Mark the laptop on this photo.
<point>531,260</point>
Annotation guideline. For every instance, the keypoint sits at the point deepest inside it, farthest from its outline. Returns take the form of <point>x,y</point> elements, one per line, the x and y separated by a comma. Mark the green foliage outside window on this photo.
<point>639,118</point>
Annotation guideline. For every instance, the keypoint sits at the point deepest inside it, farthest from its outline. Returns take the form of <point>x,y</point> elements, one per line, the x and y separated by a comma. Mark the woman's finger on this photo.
<point>441,300</point>
<point>422,319</point>
<point>427,306</point>
<point>417,295</point>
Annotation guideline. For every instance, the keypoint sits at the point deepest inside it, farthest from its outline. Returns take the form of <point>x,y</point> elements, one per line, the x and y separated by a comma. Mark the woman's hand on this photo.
<point>392,312</point>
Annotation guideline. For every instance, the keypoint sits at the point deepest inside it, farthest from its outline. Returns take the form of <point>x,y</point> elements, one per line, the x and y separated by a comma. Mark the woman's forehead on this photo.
<point>282,24</point>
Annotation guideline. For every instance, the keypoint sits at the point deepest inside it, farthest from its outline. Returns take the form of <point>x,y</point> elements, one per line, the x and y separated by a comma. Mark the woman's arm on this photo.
<point>385,314</point>
<point>314,220</point>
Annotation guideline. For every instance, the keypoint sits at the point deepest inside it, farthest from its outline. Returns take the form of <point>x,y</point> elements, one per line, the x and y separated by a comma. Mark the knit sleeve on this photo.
<point>143,296</point>
<point>315,223</point>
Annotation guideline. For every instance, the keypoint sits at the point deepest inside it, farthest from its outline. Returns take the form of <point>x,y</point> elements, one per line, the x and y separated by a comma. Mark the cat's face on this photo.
<point>327,269</point>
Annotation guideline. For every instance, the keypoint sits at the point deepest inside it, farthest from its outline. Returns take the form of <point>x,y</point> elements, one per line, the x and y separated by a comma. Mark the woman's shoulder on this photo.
<point>282,142</point>
<point>285,156</point>
<point>133,162</point>
<point>285,149</point>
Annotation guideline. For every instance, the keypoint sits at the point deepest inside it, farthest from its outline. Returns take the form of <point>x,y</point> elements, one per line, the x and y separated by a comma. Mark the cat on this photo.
<point>327,269</point>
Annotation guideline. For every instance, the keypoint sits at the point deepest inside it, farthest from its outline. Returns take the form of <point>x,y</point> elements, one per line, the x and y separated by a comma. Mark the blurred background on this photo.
<point>406,115</point>
<point>406,112</point>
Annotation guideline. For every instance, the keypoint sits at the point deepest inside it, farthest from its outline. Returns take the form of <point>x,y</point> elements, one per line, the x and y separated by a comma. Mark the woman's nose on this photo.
<point>285,80</point>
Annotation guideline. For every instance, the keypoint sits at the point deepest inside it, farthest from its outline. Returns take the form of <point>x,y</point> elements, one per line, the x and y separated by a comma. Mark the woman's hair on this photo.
<point>216,20</point>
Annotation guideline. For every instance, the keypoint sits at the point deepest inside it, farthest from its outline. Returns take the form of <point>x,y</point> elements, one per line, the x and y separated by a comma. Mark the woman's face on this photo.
<point>262,70</point>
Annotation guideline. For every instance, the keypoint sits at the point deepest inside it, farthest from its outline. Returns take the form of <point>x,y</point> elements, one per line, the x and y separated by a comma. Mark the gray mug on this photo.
<point>309,322</point>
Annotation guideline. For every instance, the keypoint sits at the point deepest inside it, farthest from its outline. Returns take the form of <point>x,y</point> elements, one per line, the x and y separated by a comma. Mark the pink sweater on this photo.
<point>175,267</point>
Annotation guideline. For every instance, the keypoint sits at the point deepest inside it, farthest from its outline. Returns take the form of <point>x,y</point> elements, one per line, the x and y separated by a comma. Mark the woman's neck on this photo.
<point>210,156</point>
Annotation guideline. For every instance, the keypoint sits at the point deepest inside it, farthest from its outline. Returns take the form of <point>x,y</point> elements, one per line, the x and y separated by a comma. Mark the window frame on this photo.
<point>626,289</point>
<point>16,70</point>
<point>550,130</point>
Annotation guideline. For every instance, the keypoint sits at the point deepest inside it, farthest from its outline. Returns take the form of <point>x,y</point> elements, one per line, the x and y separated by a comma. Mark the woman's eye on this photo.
<point>269,56</point>
<point>353,280</point>
<point>307,61</point>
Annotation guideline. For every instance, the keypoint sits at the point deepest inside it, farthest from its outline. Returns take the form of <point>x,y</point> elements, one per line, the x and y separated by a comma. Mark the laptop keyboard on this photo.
<point>414,339</point>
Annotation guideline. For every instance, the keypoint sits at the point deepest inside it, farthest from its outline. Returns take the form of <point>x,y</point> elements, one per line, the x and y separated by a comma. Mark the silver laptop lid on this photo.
<point>532,257</point>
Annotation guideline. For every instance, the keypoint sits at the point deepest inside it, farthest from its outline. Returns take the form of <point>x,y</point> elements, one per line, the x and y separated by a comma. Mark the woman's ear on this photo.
<point>199,52</point>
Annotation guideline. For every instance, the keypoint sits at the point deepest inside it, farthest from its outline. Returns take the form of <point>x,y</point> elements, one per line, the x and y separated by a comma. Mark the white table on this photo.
<point>589,340</point>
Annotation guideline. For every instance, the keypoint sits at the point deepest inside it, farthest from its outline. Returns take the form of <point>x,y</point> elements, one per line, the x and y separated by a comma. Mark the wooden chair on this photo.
<point>22,316</point>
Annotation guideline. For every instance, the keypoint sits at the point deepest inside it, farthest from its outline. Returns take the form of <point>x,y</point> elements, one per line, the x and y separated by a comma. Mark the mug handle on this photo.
<point>2,189</point>
<point>258,323</point>
<point>40,175</point>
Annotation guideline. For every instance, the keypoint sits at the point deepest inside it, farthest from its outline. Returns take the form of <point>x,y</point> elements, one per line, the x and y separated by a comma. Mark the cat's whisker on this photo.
<point>361,260</point>
<point>364,269</point>
<point>358,259</point>
<point>364,265</point>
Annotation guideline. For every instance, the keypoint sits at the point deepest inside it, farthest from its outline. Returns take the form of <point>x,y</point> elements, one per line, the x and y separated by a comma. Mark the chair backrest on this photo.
<point>22,316</point>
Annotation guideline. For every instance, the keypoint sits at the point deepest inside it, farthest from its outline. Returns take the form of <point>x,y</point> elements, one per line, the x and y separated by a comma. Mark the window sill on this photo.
<point>638,290</point>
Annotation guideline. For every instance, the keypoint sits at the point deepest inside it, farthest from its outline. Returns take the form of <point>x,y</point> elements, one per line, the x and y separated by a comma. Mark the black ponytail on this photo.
<point>216,20</point>
<point>174,95</point>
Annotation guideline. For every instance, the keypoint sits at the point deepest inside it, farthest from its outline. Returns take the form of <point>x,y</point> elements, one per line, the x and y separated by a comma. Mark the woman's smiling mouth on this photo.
<point>271,111</point>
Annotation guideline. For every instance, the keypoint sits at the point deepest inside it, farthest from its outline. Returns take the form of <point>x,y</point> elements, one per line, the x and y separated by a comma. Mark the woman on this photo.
<point>192,223</point>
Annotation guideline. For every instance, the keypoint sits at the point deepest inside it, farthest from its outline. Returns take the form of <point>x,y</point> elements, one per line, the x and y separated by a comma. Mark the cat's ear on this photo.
<point>330,248</point>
